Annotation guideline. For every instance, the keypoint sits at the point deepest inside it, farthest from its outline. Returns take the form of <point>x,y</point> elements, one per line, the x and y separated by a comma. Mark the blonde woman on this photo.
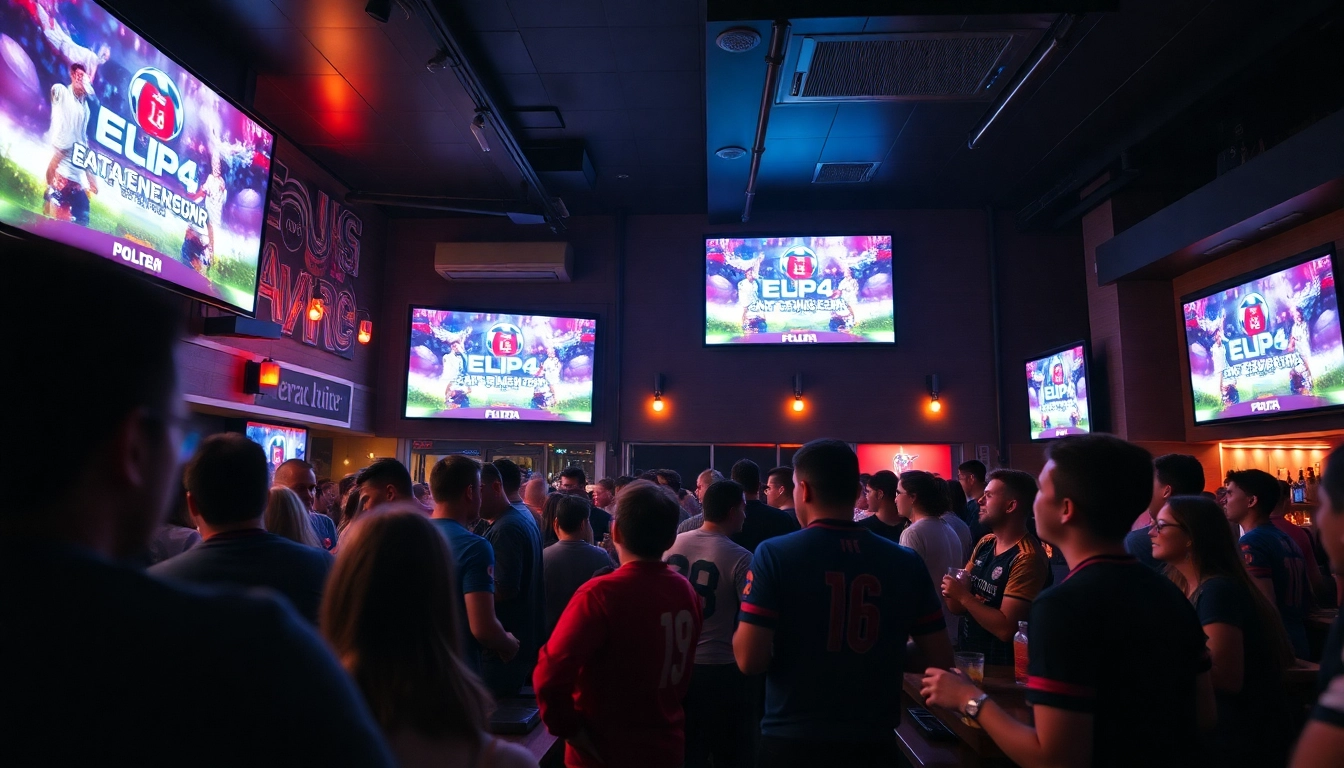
<point>287,516</point>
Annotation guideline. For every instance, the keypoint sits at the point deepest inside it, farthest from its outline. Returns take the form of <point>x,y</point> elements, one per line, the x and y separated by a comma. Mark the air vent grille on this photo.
<point>512,276</point>
<point>920,67</point>
<point>843,173</point>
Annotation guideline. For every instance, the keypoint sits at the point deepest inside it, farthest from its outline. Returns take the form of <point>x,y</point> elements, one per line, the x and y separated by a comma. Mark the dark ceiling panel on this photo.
<point>662,90</point>
<point>656,49</point>
<point>659,151</point>
<point>625,13</point>
<point>847,149</point>
<point>486,15</point>
<point>285,50</point>
<point>321,93</point>
<point>557,13</point>
<point>325,13</point>
<point>591,91</point>
<point>593,125</point>
<point>506,52</point>
<point>525,91</point>
<point>800,121</point>
<point>870,119</point>
<point>358,49</point>
<point>432,128</point>
<point>393,95</point>
<point>300,127</point>
<point>583,49</point>
<point>252,14</point>
<point>667,123</point>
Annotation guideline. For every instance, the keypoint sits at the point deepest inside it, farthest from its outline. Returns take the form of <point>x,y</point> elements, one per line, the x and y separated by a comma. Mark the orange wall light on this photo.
<point>316,309</point>
<point>365,331</point>
<point>270,373</point>
<point>657,403</point>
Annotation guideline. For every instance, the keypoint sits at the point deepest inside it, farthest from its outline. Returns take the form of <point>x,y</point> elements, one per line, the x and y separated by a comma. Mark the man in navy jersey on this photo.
<point>1119,673</point>
<point>826,613</point>
<point>1276,564</point>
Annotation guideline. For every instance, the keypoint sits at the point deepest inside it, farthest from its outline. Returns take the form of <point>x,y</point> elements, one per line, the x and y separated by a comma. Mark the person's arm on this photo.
<point>1258,565</point>
<point>932,647</point>
<point>752,647</point>
<point>1227,651</point>
<point>1002,623</point>
<point>1266,587</point>
<point>753,642</point>
<point>578,637</point>
<point>1322,740</point>
<point>485,626</point>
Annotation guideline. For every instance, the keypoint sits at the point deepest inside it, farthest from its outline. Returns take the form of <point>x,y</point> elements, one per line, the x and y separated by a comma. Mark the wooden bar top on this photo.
<point>1006,692</point>
<point>538,741</point>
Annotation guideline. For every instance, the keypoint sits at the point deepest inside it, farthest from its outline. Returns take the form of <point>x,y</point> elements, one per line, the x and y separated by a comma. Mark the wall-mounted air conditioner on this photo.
<point>502,262</point>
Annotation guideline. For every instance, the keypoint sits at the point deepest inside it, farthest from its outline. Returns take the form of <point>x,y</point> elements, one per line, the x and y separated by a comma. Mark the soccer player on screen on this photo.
<point>200,244</point>
<point>454,363</point>
<point>1299,341</point>
<point>66,198</point>
<point>746,296</point>
<point>848,292</point>
<point>73,53</point>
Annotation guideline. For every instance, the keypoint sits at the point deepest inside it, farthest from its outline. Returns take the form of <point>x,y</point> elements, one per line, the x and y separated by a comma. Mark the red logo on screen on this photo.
<point>798,263</point>
<point>157,103</point>
<point>1253,320</point>
<point>1057,374</point>
<point>506,340</point>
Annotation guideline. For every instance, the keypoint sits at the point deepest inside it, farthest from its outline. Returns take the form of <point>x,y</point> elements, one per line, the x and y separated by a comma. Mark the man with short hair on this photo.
<point>612,676</point>
<point>921,499</point>
<point>227,491</point>
<point>717,569</point>
<point>763,521</point>
<point>779,490</point>
<point>623,481</point>
<point>826,613</point>
<point>972,476</point>
<point>384,481</point>
<point>571,560</point>
<point>1117,658</point>
<point>884,518</point>
<point>573,480</point>
<point>1174,474</point>
<point>455,482</point>
<point>520,591</point>
<point>298,476</point>
<point>150,670</point>
<point>1275,563</point>
<point>1006,572</point>
<point>604,494</point>
<point>702,483</point>
<point>328,498</point>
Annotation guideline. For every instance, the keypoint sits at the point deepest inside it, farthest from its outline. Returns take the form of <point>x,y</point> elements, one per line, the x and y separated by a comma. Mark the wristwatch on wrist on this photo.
<point>972,708</point>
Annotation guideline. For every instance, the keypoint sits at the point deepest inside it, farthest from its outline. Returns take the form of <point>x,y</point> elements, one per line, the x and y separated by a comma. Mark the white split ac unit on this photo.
<point>504,262</point>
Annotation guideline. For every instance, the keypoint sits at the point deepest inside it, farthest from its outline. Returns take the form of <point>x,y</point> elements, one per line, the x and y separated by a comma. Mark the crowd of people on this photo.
<point>362,621</point>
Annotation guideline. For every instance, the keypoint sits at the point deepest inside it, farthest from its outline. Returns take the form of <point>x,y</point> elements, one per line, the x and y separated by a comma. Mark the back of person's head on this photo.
<point>671,478</point>
<point>1110,481</point>
<point>1215,552</point>
<point>575,474</point>
<point>451,476</point>
<point>350,511</point>
<point>927,489</point>
<point>864,477</point>
<point>830,469</point>
<point>387,473</point>
<point>549,507</point>
<point>286,515</point>
<point>783,476</point>
<point>608,485</point>
<point>570,512</point>
<point>1181,471</point>
<point>646,518</point>
<point>974,468</point>
<point>348,484</point>
<point>136,383</point>
<point>228,479</point>
<point>884,480</point>
<point>720,498</point>
<point>490,475</point>
<point>178,513</point>
<point>510,476</point>
<point>956,494</point>
<point>390,615</point>
<point>293,472</point>
<point>623,481</point>
<point>650,476</point>
<point>1258,483</point>
<point>1018,485</point>
<point>748,475</point>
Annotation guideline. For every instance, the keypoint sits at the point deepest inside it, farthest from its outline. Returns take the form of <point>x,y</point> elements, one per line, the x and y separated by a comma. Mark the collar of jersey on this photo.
<point>1099,559</point>
<point>830,522</point>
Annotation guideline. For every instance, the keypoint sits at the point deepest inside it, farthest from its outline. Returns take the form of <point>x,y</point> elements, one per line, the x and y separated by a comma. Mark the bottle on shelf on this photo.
<point>1299,488</point>
<point>1020,653</point>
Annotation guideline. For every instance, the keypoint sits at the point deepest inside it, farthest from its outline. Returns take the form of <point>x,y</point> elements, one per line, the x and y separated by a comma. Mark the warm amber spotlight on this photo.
<point>365,331</point>
<point>658,403</point>
<point>934,405</point>
<point>316,309</point>
<point>798,403</point>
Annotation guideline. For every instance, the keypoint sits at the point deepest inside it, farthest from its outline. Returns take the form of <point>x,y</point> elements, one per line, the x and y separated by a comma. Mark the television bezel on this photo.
<point>1087,374</point>
<point>704,298</point>
<point>1326,249</point>
<point>597,365</point>
<point>204,298</point>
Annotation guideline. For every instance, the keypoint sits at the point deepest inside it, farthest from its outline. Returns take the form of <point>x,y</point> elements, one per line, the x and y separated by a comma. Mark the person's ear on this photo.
<point>132,439</point>
<point>1166,491</point>
<point>192,508</point>
<point>616,537</point>
<point>1067,511</point>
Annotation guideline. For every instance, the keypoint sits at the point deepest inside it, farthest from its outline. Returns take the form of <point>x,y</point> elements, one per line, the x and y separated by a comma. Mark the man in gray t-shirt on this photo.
<point>920,499</point>
<point>717,568</point>
<point>571,561</point>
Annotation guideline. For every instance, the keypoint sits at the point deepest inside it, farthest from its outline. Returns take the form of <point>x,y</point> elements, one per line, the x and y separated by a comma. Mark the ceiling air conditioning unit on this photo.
<point>504,262</point>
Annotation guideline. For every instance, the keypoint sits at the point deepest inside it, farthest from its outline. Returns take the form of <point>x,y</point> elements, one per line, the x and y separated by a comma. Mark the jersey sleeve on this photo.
<point>1026,577</point>
<point>761,592</point>
<point>1220,602</point>
<point>478,568</point>
<point>1061,667</point>
<point>1258,562</point>
<point>740,570</point>
<point>928,614</point>
<point>580,632</point>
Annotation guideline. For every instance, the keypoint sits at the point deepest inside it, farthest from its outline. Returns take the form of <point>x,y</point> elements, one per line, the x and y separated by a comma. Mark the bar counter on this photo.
<point>972,748</point>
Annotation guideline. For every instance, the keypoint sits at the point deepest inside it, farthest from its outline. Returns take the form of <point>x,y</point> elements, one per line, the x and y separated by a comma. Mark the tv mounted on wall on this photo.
<point>1057,392</point>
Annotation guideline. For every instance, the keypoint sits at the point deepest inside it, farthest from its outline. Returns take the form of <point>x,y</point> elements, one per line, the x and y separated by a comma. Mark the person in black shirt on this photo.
<point>1247,645</point>
<point>227,491</point>
<point>1119,674</point>
<point>884,519</point>
<point>105,665</point>
<point>1174,474</point>
<point>520,591</point>
<point>763,521</point>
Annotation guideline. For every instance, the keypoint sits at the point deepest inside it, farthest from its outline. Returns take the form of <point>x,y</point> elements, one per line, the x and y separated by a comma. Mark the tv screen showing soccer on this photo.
<point>1057,394</point>
<point>486,365</point>
<point>280,443</point>
<point>799,290</point>
<point>112,147</point>
<point>1267,346</point>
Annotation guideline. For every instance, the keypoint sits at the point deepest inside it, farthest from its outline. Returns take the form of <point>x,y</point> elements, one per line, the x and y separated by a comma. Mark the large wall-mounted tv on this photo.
<point>281,443</point>
<point>799,290</point>
<point>1267,343</point>
<point>114,148</point>
<point>500,367</point>
<point>904,457</point>
<point>1057,393</point>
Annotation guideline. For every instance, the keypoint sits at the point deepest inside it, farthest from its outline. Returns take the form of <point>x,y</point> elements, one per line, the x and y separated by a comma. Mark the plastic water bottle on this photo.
<point>1020,653</point>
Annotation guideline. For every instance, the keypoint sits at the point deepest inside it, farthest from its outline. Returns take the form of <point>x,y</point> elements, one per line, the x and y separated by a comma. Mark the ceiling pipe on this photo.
<point>774,61</point>
<point>1044,52</point>
<point>442,32</point>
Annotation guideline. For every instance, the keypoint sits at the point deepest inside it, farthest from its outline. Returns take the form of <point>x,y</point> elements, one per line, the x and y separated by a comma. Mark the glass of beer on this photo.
<point>972,665</point>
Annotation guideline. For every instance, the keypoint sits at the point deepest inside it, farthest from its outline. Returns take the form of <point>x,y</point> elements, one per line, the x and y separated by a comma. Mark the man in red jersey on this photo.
<point>611,679</point>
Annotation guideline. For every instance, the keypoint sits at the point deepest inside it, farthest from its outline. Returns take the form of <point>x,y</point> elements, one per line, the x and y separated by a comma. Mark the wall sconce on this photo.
<point>658,393</point>
<point>316,309</point>
<point>798,404</point>
<point>365,331</point>
<point>932,383</point>
<point>257,375</point>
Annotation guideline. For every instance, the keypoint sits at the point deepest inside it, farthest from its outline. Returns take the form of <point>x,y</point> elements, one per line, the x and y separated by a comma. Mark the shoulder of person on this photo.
<point>510,755</point>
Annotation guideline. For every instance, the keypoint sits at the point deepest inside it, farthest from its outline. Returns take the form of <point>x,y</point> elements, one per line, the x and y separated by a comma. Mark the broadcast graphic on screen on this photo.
<point>1267,346</point>
<point>1057,394</point>
<point>799,290</point>
<point>904,457</point>
<point>479,365</point>
<point>111,147</point>
<point>280,443</point>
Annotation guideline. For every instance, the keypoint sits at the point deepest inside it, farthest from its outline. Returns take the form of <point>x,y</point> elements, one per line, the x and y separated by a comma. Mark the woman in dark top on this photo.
<point>1245,637</point>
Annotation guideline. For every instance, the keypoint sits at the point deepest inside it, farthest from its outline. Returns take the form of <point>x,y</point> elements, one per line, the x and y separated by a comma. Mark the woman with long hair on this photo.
<point>349,512</point>
<point>286,515</point>
<point>390,614</point>
<point>1246,639</point>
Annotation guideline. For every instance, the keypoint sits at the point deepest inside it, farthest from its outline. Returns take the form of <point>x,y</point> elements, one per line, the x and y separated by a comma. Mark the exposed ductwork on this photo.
<point>774,60</point>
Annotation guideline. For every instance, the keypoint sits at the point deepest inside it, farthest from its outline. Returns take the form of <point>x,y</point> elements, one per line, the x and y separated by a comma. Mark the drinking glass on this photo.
<point>972,665</point>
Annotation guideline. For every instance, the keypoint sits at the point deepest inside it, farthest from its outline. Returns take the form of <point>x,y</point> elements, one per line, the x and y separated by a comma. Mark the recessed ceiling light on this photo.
<point>738,39</point>
<point>731,153</point>
<point>622,175</point>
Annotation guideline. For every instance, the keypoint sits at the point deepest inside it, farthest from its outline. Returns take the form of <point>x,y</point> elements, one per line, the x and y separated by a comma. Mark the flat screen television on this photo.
<point>1267,343</point>
<point>499,366</point>
<point>281,443</point>
<point>904,457</point>
<point>799,290</point>
<point>114,148</point>
<point>1057,393</point>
